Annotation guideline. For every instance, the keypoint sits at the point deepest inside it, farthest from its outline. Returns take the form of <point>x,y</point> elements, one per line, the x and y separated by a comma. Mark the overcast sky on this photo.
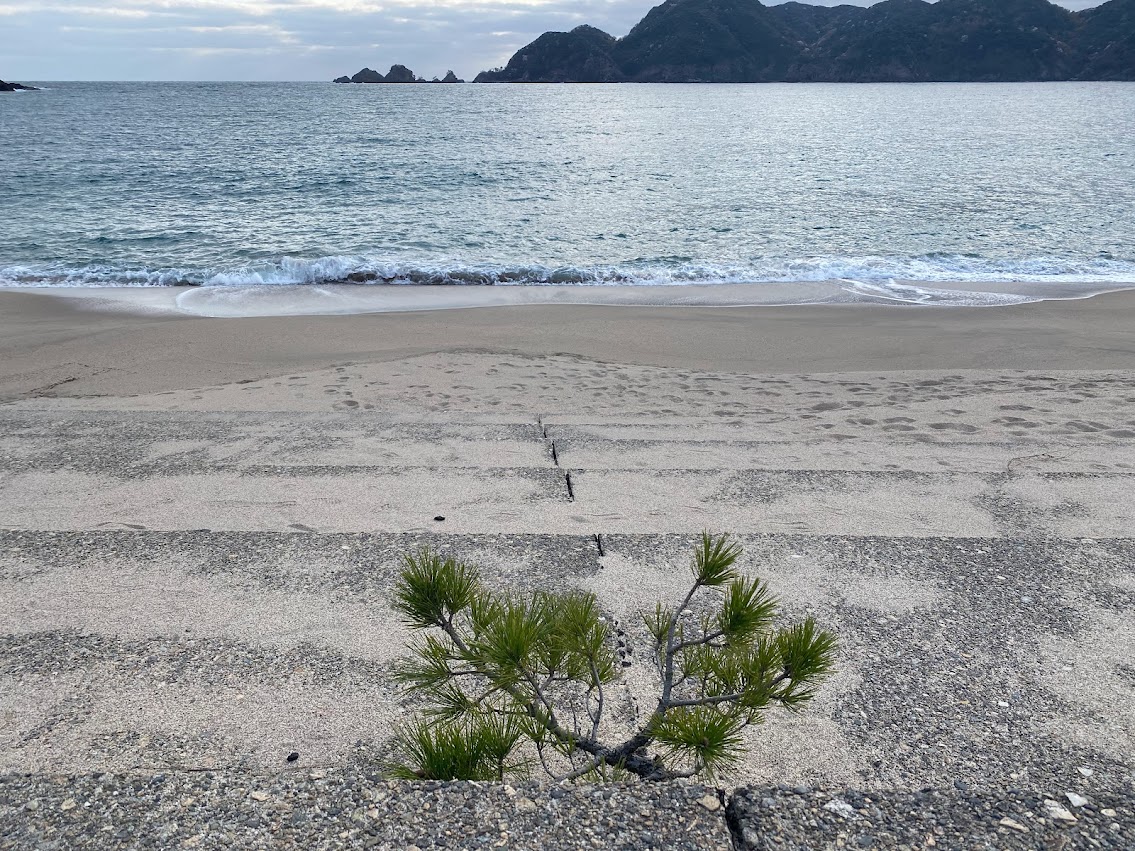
<point>286,39</point>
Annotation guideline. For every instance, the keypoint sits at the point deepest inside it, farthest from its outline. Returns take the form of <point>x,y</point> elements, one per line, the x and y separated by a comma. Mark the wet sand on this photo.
<point>46,341</point>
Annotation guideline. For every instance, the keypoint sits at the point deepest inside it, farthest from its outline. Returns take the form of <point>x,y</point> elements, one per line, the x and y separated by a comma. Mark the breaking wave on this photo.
<point>294,271</point>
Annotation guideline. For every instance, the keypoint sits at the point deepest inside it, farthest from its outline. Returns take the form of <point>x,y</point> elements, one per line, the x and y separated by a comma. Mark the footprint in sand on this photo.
<point>964,428</point>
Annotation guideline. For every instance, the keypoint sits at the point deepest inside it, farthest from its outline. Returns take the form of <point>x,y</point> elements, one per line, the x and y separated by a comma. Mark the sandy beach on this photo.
<point>200,519</point>
<point>91,343</point>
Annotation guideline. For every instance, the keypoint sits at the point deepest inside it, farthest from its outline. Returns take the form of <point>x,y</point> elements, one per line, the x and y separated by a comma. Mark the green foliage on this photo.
<point>509,681</point>
<point>748,610</point>
<point>713,560</point>
<point>432,590</point>
<point>701,734</point>
<point>477,748</point>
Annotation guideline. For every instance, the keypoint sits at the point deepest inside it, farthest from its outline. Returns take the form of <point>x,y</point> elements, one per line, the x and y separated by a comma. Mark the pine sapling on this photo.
<point>513,682</point>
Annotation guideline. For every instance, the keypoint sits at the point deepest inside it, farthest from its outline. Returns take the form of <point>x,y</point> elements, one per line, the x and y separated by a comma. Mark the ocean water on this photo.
<point>888,191</point>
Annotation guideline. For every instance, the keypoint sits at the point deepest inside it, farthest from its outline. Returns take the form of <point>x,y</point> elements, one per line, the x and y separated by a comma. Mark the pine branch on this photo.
<point>599,709</point>
<point>705,701</point>
<point>705,639</point>
<point>531,660</point>
<point>582,771</point>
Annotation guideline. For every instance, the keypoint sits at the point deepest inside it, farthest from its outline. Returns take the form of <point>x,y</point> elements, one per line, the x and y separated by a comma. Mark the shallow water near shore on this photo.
<point>338,299</point>
<point>825,192</point>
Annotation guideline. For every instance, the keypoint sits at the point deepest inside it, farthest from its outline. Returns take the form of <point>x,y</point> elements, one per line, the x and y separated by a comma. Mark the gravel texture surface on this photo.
<point>978,660</point>
<point>802,819</point>
<point>309,810</point>
<point>304,809</point>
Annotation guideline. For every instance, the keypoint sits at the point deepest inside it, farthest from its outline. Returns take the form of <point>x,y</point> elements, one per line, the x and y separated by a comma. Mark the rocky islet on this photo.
<point>396,74</point>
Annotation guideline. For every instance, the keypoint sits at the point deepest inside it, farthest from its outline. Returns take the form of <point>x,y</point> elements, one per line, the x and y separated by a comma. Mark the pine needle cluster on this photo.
<point>514,682</point>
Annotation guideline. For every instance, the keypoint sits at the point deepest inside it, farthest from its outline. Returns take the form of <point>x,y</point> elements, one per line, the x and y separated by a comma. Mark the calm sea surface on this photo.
<point>238,183</point>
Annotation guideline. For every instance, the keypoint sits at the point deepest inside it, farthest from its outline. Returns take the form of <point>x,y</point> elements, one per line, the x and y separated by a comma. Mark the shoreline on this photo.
<point>341,299</point>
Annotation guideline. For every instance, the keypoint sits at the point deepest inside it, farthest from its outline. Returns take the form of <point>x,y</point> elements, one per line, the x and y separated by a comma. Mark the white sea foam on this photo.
<point>906,293</point>
<point>339,299</point>
<point>330,299</point>
<point>865,271</point>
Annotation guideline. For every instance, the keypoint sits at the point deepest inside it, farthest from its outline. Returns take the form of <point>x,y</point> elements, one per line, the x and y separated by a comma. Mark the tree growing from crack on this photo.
<point>514,682</point>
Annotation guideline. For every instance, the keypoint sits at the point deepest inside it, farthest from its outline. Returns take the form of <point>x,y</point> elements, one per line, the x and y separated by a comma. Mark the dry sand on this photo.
<point>200,519</point>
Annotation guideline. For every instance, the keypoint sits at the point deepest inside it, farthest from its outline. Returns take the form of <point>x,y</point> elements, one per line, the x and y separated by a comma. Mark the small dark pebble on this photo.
<point>439,518</point>
<point>293,756</point>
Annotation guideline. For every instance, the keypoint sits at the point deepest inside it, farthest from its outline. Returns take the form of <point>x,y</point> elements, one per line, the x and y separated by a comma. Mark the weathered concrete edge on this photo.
<point>352,809</point>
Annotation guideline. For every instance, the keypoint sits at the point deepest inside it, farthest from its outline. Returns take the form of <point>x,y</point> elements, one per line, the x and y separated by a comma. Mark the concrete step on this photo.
<point>303,809</point>
<point>666,448</point>
<point>171,441</point>
<point>134,650</point>
<point>537,500</point>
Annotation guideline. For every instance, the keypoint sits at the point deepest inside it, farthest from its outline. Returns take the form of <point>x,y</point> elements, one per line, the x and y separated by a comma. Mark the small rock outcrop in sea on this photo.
<point>744,41</point>
<point>366,76</point>
<point>17,87</point>
<point>400,74</point>
<point>396,74</point>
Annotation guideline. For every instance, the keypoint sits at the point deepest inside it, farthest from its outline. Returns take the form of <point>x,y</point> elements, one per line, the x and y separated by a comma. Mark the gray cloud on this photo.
<point>287,39</point>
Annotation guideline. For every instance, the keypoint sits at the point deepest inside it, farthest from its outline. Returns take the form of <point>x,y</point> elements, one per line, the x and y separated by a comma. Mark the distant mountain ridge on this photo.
<point>743,41</point>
